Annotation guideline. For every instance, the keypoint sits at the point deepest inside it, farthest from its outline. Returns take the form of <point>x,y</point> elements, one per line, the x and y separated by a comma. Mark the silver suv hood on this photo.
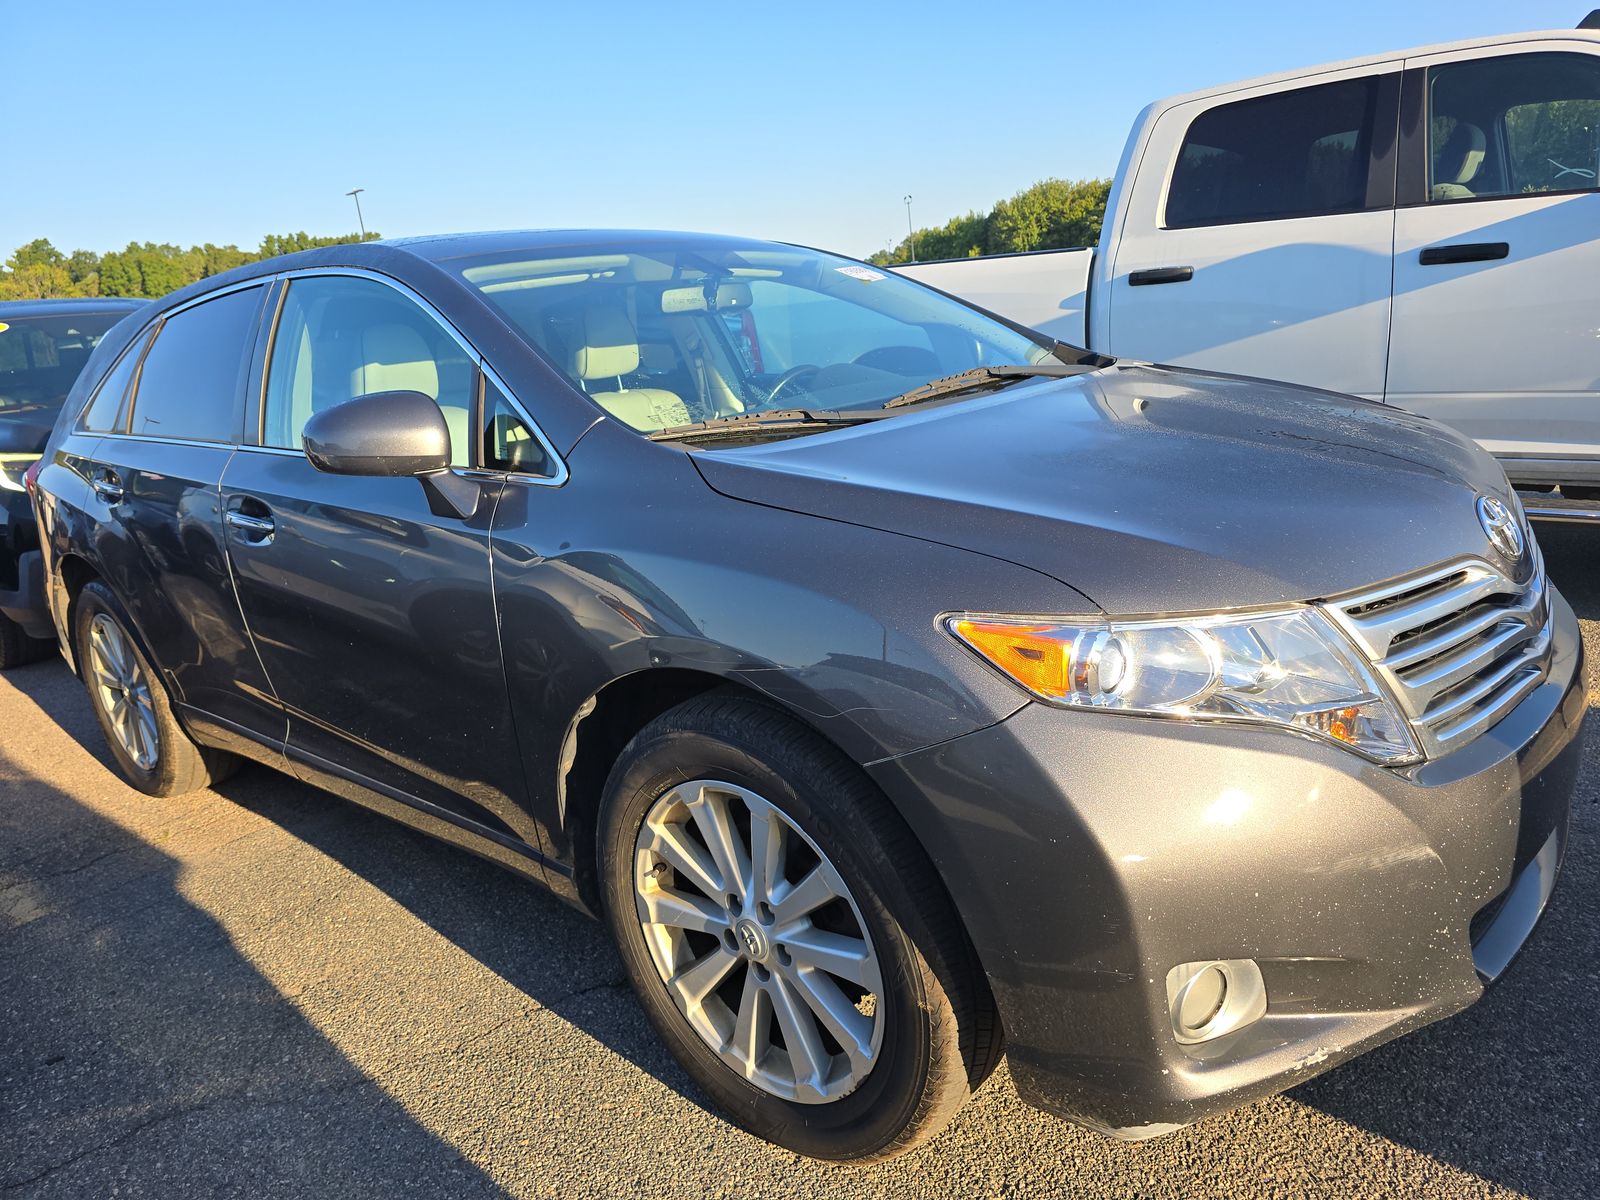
<point>1148,489</point>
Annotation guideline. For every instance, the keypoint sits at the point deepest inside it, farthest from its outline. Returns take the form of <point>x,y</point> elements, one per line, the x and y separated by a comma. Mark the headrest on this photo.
<point>394,358</point>
<point>1461,155</point>
<point>609,346</point>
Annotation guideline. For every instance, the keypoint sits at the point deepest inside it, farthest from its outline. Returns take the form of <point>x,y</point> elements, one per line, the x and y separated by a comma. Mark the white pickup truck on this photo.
<point>1421,228</point>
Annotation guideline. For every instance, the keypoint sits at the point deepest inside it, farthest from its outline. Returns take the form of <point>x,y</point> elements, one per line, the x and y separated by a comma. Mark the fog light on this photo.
<point>1209,999</point>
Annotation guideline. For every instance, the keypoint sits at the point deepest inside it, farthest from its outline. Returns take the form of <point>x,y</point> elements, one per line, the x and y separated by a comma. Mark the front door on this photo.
<point>1267,252</point>
<point>374,618</point>
<point>1497,255</point>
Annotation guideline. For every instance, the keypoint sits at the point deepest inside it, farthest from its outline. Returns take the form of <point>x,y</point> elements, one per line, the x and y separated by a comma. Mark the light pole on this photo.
<point>356,196</point>
<point>911,233</point>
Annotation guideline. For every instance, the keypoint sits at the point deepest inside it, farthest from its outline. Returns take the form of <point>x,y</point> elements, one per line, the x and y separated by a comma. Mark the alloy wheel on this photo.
<point>759,942</point>
<point>123,692</point>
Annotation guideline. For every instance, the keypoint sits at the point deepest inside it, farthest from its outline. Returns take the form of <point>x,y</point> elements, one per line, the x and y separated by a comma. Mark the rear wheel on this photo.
<point>151,750</point>
<point>787,935</point>
<point>17,648</point>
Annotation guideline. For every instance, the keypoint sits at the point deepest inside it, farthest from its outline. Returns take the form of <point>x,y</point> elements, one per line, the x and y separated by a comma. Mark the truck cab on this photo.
<point>1417,228</point>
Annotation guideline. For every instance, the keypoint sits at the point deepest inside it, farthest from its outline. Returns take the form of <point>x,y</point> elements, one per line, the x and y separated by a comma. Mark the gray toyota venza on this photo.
<point>900,686</point>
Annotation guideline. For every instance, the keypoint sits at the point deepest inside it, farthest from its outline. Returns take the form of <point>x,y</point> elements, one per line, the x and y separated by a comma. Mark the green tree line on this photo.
<point>1050,215</point>
<point>38,271</point>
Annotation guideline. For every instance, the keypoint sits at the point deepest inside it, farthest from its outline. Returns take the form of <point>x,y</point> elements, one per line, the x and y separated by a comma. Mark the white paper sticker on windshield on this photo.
<point>865,274</point>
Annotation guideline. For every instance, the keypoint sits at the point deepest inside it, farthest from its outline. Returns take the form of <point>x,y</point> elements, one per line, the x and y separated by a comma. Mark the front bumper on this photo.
<point>1090,853</point>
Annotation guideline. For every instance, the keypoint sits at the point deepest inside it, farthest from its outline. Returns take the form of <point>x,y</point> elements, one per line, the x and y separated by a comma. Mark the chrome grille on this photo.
<point>1458,645</point>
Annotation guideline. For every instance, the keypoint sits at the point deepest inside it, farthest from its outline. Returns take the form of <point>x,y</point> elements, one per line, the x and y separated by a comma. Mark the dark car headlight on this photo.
<point>1292,668</point>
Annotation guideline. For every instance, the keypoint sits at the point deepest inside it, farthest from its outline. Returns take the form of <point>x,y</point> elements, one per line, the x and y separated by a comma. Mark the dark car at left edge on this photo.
<point>43,346</point>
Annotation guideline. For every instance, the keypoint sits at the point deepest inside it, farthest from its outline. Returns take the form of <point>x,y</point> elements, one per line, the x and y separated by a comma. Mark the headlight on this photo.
<point>1291,668</point>
<point>12,468</point>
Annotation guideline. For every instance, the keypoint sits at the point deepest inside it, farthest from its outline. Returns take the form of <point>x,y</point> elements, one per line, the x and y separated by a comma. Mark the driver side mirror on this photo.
<point>391,435</point>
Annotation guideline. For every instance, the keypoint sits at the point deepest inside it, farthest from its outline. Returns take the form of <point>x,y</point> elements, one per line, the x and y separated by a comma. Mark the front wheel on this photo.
<point>787,935</point>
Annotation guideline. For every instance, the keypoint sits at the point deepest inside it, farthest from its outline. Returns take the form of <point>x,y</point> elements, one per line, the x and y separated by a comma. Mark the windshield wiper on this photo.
<point>982,377</point>
<point>783,418</point>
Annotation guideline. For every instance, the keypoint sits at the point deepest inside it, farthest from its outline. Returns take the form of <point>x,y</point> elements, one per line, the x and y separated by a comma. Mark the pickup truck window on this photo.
<point>1515,125</point>
<point>1299,153</point>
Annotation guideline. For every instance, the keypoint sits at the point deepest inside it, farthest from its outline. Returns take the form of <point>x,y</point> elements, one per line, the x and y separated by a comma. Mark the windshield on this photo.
<point>40,357</point>
<point>671,331</point>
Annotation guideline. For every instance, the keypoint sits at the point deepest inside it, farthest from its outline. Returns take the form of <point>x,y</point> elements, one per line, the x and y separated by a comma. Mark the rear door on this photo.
<point>374,617</point>
<point>1497,258</point>
<point>154,492</point>
<point>1258,235</point>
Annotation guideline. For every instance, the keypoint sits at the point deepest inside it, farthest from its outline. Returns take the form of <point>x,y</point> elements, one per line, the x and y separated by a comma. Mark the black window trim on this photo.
<point>1412,185</point>
<point>1383,151</point>
<point>254,437</point>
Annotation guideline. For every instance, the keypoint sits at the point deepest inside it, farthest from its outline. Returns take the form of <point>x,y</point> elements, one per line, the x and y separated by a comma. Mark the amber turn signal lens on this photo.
<point>1034,655</point>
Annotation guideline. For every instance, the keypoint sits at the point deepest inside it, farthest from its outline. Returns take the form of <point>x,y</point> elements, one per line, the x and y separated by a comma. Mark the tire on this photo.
<point>150,748</point>
<point>17,648</point>
<point>926,1032</point>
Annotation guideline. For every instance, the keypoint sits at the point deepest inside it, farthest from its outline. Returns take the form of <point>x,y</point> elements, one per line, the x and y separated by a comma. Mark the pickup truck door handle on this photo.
<point>257,531</point>
<point>1156,275</point>
<point>107,485</point>
<point>1464,252</point>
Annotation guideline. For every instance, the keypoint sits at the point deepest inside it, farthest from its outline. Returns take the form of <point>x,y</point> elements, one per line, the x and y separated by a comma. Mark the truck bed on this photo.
<point>1045,290</point>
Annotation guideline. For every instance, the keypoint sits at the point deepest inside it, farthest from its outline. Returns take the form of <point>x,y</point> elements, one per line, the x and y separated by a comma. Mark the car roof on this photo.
<point>66,306</point>
<point>395,255</point>
<point>1372,60</point>
<point>445,246</point>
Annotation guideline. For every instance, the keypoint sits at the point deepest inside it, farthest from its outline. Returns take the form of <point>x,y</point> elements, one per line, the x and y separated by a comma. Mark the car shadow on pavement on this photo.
<point>141,1053</point>
<point>1507,1088</point>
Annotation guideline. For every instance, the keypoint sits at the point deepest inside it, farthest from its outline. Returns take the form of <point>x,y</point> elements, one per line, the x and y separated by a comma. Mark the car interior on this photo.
<point>660,343</point>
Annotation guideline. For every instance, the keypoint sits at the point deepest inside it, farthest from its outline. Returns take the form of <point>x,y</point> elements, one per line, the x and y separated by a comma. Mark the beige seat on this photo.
<point>395,358</point>
<point>609,350</point>
<point>1458,163</point>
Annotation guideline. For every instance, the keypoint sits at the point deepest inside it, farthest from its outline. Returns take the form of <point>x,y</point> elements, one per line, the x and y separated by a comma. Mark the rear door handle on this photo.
<point>107,486</point>
<point>1156,275</point>
<point>1464,252</point>
<point>257,531</point>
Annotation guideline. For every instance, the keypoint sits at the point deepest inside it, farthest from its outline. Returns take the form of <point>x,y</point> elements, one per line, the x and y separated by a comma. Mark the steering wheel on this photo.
<point>790,379</point>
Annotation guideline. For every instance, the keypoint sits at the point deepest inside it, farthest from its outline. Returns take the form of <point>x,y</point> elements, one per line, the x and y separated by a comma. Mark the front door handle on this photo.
<point>1464,252</point>
<point>257,531</point>
<point>107,486</point>
<point>1156,275</point>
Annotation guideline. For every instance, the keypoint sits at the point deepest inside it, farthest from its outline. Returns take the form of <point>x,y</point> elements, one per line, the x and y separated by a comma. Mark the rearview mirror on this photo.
<point>391,435</point>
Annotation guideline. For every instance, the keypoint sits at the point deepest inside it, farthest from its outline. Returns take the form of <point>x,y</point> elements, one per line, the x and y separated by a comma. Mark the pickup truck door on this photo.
<point>1497,260</point>
<point>1258,234</point>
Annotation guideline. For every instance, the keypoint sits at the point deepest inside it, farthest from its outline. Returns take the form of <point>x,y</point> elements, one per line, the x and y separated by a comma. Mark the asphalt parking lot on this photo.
<point>262,991</point>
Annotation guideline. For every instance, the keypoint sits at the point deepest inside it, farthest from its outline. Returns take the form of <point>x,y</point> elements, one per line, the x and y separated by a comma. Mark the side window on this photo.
<point>104,412</point>
<point>189,384</point>
<point>508,443</point>
<point>340,337</point>
<point>1300,153</point>
<point>1515,125</point>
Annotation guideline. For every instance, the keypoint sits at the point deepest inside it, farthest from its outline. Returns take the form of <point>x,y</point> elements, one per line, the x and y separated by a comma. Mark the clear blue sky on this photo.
<point>220,122</point>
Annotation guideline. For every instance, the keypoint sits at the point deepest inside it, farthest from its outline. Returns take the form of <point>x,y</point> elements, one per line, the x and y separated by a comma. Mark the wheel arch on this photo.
<point>76,572</point>
<point>603,725</point>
